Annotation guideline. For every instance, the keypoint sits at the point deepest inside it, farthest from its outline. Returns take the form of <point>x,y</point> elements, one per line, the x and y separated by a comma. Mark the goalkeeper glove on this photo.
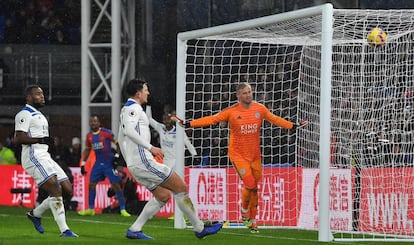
<point>302,124</point>
<point>46,141</point>
<point>180,122</point>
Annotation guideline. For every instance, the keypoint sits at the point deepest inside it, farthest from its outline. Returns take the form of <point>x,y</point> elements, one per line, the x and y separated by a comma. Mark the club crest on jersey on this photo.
<point>131,114</point>
<point>257,115</point>
<point>242,171</point>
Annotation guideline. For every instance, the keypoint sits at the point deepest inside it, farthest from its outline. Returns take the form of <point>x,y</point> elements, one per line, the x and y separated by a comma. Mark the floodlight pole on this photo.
<point>122,50</point>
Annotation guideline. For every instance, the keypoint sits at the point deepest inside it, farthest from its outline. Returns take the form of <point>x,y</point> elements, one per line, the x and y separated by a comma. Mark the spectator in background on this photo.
<point>41,22</point>
<point>7,155</point>
<point>75,152</point>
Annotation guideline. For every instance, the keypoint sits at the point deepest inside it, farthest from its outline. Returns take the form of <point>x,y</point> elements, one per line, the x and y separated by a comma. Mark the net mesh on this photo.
<point>371,114</point>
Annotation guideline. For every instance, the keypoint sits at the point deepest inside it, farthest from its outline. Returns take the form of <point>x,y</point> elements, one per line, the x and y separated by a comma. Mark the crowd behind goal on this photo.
<point>381,137</point>
<point>274,81</point>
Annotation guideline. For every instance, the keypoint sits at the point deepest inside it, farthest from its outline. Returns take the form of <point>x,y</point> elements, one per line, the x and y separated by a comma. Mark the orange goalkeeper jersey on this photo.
<point>245,124</point>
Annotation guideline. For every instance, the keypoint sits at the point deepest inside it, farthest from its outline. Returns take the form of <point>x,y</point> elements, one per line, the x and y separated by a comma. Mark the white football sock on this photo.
<point>41,208</point>
<point>58,211</point>
<point>150,209</point>
<point>187,207</point>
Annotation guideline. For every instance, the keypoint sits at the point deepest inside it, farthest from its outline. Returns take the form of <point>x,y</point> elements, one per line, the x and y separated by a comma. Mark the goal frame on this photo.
<point>326,10</point>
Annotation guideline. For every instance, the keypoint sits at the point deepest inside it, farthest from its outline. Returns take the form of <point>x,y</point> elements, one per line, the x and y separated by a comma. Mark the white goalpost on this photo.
<point>349,173</point>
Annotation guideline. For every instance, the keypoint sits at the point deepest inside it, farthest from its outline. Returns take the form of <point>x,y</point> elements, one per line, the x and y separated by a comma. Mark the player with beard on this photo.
<point>100,139</point>
<point>134,142</point>
<point>32,131</point>
<point>245,120</point>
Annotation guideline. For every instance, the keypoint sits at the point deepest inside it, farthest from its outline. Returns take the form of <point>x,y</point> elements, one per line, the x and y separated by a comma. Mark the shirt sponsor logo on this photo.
<point>249,128</point>
<point>97,145</point>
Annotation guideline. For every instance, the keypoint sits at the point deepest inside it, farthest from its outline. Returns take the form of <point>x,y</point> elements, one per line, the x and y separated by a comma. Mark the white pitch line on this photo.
<point>223,231</point>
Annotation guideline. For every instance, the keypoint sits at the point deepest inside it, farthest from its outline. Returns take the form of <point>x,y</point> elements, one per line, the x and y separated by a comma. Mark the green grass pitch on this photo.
<point>15,228</point>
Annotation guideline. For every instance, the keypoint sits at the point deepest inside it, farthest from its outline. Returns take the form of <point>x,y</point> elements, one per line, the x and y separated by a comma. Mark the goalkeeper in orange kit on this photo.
<point>245,120</point>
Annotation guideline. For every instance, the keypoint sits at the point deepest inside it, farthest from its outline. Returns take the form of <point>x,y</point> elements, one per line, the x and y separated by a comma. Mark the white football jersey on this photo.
<point>134,139</point>
<point>36,159</point>
<point>168,140</point>
<point>35,124</point>
<point>133,114</point>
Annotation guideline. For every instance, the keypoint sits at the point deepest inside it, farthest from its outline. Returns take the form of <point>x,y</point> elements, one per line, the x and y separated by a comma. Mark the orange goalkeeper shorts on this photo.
<point>246,168</point>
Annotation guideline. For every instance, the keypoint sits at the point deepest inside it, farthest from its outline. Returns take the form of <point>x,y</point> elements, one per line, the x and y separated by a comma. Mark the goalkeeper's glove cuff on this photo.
<point>299,125</point>
<point>295,126</point>
<point>180,122</point>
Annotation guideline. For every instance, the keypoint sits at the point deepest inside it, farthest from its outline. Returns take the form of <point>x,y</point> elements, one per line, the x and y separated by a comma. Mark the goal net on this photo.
<point>349,173</point>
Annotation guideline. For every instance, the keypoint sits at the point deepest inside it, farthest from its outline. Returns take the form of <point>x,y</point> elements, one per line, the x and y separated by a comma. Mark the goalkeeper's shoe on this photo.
<point>247,222</point>
<point>124,213</point>
<point>254,229</point>
<point>87,212</point>
<point>209,230</point>
<point>37,222</point>
<point>137,235</point>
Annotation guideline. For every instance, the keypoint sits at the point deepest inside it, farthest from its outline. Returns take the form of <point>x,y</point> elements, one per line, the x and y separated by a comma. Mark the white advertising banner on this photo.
<point>208,192</point>
<point>340,199</point>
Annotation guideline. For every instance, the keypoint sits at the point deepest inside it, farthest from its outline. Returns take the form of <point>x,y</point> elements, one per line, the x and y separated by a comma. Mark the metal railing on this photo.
<point>56,68</point>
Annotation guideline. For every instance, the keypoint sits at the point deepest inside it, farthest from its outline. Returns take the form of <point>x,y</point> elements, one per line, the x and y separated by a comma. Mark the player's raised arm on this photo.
<point>281,122</point>
<point>156,125</point>
<point>203,121</point>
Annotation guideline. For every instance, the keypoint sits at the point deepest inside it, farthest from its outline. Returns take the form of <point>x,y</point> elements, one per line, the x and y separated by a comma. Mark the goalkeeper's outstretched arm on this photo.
<point>201,122</point>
